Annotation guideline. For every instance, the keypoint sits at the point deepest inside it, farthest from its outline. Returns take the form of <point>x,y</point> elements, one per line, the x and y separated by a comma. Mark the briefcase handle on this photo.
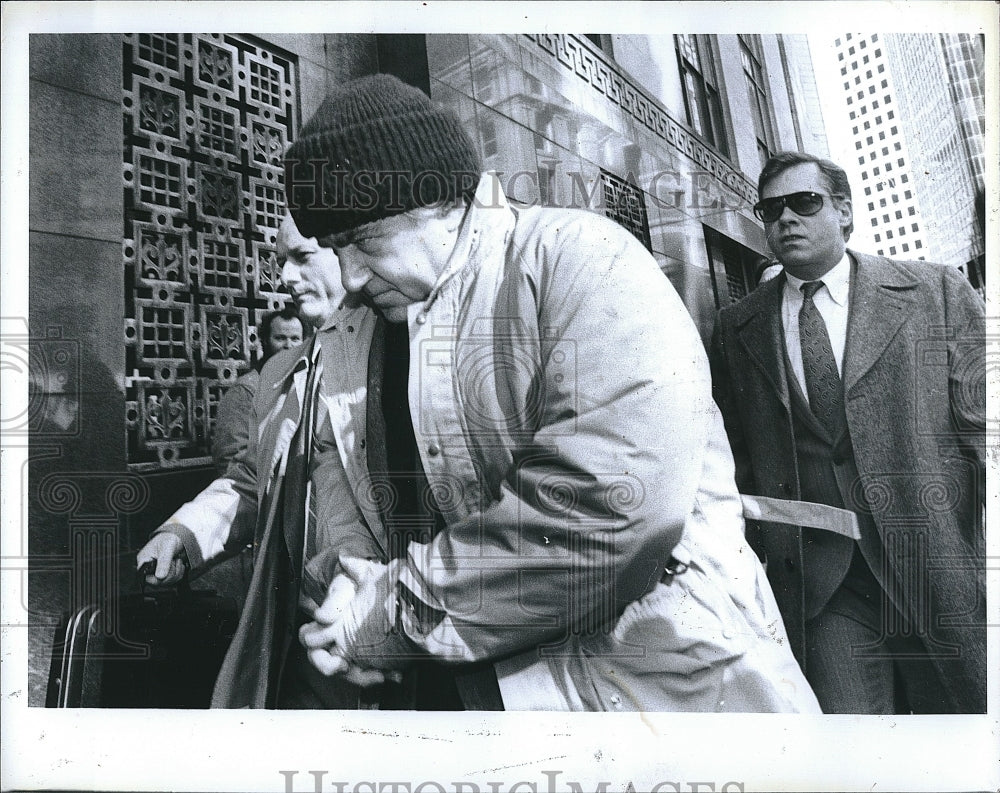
<point>182,587</point>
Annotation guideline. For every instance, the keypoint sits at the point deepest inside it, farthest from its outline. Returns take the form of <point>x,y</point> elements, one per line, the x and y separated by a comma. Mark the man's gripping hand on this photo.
<point>167,551</point>
<point>330,638</point>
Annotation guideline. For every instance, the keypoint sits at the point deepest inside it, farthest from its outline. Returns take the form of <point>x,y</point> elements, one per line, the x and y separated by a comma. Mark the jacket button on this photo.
<point>789,564</point>
<point>434,450</point>
<point>616,700</point>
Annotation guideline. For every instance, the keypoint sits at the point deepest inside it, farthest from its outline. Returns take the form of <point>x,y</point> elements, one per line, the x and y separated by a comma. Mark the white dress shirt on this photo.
<point>832,300</point>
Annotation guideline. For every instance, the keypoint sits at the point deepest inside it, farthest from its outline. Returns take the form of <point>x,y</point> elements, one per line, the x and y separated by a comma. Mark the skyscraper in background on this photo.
<point>916,115</point>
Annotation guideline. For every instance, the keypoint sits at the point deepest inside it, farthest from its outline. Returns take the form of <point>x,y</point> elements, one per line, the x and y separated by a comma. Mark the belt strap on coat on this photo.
<point>802,513</point>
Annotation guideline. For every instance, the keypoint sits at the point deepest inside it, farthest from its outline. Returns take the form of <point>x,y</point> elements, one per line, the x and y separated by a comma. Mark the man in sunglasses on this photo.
<point>857,382</point>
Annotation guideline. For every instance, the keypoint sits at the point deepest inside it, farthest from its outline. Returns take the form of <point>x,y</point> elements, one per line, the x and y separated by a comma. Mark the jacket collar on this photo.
<point>488,221</point>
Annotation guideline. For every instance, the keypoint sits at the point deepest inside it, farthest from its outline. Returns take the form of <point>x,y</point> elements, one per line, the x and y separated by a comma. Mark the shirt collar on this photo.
<point>837,281</point>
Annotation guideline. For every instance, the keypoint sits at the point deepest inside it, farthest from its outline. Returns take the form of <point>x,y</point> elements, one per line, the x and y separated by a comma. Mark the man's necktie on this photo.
<point>823,384</point>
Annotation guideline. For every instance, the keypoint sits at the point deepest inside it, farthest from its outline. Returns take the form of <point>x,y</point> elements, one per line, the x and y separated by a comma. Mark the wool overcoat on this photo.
<point>914,379</point>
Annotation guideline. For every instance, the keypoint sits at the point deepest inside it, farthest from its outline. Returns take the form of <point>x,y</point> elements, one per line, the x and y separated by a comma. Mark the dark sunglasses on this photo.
<point>805,204</point>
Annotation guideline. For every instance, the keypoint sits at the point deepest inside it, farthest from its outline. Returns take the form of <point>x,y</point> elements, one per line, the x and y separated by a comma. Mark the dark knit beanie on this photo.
<point>376,147</point>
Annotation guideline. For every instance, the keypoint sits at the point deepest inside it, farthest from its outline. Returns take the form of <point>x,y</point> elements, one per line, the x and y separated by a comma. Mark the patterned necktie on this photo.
<point>823,384</point>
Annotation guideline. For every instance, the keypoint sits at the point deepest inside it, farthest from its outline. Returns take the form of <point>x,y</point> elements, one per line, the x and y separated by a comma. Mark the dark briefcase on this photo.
<point>151,649</point>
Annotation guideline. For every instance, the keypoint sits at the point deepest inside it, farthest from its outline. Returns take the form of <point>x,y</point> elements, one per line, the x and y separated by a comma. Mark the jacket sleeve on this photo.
<point>597,493</point>
<point>221,518</point>
<point>231,433</point>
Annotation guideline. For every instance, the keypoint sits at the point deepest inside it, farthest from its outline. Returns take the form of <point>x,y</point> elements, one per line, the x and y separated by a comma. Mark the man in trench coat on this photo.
<point>893,620</point>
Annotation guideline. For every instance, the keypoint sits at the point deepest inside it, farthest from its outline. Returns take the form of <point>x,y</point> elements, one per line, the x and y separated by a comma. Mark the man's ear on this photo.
<point>846,209</point>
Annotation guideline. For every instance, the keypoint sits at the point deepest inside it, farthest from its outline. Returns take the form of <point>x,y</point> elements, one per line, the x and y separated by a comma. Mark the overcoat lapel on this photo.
<point>878,310</point>
<point>762,338</point>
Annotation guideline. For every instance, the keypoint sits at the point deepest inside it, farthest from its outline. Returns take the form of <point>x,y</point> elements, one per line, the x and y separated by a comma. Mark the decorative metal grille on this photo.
<point>206,120</point>
<point>624,203</point>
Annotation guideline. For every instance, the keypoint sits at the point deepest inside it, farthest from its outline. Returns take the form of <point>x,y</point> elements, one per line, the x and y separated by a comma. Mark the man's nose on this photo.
<point>290,273</point>
<point>353,272</point>
<point>787,214</point>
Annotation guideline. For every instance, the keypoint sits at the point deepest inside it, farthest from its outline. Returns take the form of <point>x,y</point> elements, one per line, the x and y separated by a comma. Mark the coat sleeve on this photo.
<point>597,493</point>
<point>727,398</point>
<point>967,372</point>
<point>231,433</point>
<point>221,518</point>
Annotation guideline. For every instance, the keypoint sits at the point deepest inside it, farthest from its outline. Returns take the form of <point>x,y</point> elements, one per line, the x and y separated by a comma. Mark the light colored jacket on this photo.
<point>563,414</point>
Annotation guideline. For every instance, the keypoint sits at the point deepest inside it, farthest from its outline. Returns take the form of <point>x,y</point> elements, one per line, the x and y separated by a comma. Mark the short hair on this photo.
<point>836,179</point>
<point>290,311</point>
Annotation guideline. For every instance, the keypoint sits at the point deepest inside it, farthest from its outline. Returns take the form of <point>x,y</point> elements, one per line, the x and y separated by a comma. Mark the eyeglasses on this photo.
<point>805,203</point>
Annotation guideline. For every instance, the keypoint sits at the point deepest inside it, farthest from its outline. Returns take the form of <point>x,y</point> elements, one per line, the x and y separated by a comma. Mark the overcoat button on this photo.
<point>789,563</point>
<point>434,450</point>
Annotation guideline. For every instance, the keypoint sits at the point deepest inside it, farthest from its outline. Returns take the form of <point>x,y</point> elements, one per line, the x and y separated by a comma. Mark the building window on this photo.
<point>906,247</point>
<point>892,250</point>
<point>874,220</point>
<point>914,227</point>
<point>911,211</point>
<point>489,132</point>
<point>878,238</point>
<point>602,41</point>
<point>702,104</point>
<point>206,119</point>
<point>737,262</point>
<point>626,204</point>
<point>899,215</point>
<point>760,105</point>
<point>918,244</point>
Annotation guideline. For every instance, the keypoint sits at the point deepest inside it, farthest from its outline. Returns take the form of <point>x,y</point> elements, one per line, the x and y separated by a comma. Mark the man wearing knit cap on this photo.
<point>522,410</point>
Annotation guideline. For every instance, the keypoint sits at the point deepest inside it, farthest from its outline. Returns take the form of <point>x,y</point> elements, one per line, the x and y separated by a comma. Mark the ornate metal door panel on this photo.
<point>206,120</point>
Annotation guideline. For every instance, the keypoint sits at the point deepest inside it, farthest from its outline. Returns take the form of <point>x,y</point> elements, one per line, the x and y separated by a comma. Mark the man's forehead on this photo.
<point>802,176</point>
<point>286,324</point>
